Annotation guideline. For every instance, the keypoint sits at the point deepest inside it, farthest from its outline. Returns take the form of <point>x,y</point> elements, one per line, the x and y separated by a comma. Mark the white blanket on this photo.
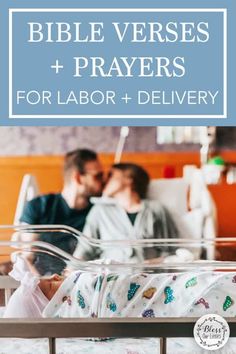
<point>190,294</point>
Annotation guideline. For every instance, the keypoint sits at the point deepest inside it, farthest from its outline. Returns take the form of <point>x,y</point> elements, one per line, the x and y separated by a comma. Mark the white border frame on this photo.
<point>107,116</point>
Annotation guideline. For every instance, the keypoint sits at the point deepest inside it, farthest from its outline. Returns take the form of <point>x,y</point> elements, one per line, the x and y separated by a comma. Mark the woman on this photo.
<point>126,214</point>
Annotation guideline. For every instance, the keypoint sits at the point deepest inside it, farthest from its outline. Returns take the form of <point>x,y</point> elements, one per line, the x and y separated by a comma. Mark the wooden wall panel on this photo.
<point>224,196</point>
<point>47,170</point>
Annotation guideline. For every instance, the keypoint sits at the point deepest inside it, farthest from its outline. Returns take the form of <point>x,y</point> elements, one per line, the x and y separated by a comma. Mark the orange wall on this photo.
<point>224,196</point>
<point>47,169</point>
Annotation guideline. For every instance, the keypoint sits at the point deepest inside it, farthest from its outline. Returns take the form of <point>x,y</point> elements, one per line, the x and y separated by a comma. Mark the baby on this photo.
<point>104,294</point>
<point>33,294</point>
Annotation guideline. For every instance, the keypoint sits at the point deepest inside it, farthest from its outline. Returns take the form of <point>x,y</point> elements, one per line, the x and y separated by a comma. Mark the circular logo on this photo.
<point>211,332</point>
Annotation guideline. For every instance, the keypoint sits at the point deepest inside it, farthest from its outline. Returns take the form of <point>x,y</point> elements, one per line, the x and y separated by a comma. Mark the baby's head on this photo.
<point>50,285</point>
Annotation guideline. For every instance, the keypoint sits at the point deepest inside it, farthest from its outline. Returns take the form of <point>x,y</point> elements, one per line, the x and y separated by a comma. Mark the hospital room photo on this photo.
<point>107,233</point>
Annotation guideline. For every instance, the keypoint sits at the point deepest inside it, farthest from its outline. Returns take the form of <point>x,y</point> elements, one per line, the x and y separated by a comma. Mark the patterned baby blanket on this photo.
<point>190,294</point>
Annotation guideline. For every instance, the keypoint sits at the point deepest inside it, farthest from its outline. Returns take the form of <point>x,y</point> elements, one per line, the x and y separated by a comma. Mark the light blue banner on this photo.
<point>78,63</point>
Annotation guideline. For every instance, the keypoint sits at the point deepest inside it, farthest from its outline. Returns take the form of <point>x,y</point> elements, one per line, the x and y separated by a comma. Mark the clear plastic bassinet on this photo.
<point>61,243</point>
<point>174,267</point>
<point>165,282</point>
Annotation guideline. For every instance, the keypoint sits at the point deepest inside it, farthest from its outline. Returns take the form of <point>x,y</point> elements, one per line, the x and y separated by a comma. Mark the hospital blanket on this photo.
<point>189,294</point>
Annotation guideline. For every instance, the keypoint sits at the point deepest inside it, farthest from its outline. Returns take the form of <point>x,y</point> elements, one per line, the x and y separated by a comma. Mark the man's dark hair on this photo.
<point>138,175</point>
<point>77,159</point>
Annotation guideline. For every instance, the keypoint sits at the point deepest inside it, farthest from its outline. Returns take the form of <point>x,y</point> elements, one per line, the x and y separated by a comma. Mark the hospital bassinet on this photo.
<point>156,300</point>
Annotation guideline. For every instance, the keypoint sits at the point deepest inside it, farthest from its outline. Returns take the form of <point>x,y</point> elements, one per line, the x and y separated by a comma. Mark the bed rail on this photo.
<point>8,284</point>
<point>162,328</point>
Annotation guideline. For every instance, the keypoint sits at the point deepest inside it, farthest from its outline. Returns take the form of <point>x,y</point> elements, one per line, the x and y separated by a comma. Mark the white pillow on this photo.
<point>193,222</point>
<point>172,193</point>
<point>190,225</point>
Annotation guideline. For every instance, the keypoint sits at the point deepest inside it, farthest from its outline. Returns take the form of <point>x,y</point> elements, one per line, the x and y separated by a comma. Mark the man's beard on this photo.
<point>91,193</point>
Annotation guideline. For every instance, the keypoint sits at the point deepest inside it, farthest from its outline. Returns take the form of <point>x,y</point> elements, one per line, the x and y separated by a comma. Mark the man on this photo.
<point>127,215</point>
<point>83,178</point>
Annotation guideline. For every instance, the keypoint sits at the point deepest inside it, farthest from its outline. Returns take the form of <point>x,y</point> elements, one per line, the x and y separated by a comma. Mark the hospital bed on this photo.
<point>29,189</point>
<point>188,199</point>
<point>133,335</point>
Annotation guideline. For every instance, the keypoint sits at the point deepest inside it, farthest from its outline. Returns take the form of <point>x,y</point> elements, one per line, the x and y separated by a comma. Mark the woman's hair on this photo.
<point>139,176</point>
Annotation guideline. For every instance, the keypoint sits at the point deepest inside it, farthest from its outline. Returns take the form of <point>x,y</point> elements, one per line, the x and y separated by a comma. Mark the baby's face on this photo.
<point>50,285</point>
